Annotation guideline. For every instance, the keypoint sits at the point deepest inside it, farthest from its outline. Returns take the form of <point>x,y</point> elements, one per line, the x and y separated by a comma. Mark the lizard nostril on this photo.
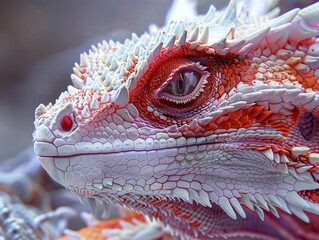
<point>66,123</point>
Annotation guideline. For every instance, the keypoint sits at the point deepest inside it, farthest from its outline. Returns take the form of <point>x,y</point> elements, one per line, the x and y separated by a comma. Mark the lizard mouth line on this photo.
<point>225,143</point>
<point>129,151</point>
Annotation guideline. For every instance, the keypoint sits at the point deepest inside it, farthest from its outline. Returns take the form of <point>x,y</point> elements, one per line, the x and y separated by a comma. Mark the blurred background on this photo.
<point>41,40</point>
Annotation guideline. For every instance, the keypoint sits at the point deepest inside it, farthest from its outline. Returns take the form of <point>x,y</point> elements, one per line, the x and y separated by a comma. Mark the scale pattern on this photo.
<point>30,205</point>
<point>208,125</point>
<point>24,222</point>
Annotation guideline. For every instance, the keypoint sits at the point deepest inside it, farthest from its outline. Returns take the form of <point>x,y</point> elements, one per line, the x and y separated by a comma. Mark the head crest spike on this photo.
<point>210,13</point>
<point>204,37</point>
<point>121,96</point>
<point>230,13</point>
<point>194,35</point>
<point>77,82</point>
<point>40,110</point>
<point>182,38</point>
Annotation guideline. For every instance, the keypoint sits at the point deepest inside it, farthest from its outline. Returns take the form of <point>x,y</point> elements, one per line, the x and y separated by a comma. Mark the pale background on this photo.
<point>41,40</point>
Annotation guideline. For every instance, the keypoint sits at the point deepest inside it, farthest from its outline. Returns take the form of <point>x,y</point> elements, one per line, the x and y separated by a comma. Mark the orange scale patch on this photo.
<point>263,116</point>
<point>255,111</point>
<point>222,119</point>
<point>156,216</point>
<point>225,125</point>
<point>221,90</point>
<point>234,73</point>
<point>176,210</point>
<point>239,118</point>
<point>237,125</point>
<point>195,224</point>
<point>95,232</point>
<point>256,114</point>
<point>234,116</point>
<point>244,120</point>
<point>308,80</point>
<point>312,195</point>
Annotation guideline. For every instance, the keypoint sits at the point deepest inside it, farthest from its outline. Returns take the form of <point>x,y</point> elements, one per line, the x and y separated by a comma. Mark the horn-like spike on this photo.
<point>179,28</point>
<point>311,14</point>
<point>303,26</point>
<point>235,45</point>
<point>171,42</point>
<point>194,35</point>
<point>245,49</point>
<point>121,96</point>
<point>204,35</point>
<point>114,65</point>
<point>182,38</point>
<point>230,13</point>
<point>157,50</point>
<point>77,71</point>
<point>256,37</point>
<point>105,98</point>
<point>94,103</point>
<point>71,89</point>
<point>278,32</point>
<point>131,82</point>
<point>40,110</point>
<point>83,60</point>
<point>210,13</point>
<point>77,82</point>
<point>286,18</point>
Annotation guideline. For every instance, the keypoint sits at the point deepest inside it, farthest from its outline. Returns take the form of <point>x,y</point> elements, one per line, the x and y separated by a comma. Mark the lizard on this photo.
<point>208,125</point>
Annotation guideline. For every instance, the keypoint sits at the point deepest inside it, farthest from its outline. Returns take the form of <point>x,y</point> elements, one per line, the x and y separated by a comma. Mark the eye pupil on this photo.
<point>180,86</point>
<point>66,123</point>
<point>183,84</point>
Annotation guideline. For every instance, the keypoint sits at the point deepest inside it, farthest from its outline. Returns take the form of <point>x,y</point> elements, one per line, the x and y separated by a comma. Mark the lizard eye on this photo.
<point>177,88</point>
<point>66,123</point>
<point>184,85</point>
<point>181,85</point>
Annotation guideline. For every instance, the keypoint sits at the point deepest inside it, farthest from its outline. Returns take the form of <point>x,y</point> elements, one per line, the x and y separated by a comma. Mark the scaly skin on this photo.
<point>29,201</point>
<point>206,125</point>
<point>135,226</point>
<point>22,222</point>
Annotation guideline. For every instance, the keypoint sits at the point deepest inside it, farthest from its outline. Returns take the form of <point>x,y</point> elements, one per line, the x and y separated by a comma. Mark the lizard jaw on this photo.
<point>192,220</point>
<point>169,173</point>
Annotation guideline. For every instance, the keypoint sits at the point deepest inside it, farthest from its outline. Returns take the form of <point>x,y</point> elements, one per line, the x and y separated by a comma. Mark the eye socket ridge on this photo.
<point>184,84</point>
<point>67,123</point>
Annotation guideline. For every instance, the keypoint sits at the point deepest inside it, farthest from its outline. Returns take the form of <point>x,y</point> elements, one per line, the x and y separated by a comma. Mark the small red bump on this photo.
<point>66,123</point>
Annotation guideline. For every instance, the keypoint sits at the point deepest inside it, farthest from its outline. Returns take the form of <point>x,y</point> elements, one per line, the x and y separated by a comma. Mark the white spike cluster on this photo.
<point>111,64</point>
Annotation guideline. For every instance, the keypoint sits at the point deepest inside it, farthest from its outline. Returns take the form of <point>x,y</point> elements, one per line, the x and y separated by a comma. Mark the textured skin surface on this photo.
<point>30,205</point>
<point>135,226</point>
<point>16,221</point>
<point>209,125</point>
<point>23,222</point>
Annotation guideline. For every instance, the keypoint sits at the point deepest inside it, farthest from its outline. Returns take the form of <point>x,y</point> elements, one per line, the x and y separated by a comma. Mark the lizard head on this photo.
<point>212,112</point>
